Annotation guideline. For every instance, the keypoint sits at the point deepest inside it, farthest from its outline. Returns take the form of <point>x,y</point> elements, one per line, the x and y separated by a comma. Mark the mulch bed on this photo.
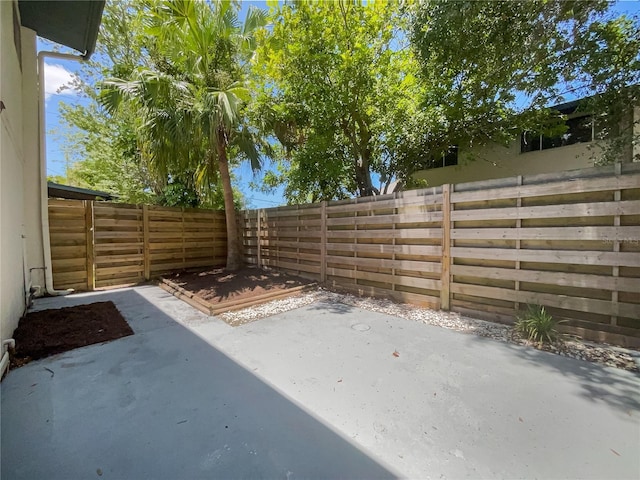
<point>216,291</point>
<point>48,332</point>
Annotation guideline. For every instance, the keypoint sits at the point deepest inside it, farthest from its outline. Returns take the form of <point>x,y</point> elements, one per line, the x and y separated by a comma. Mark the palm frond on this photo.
<point>111,94</point>
<point>247,144</point>
<point>184,108</point>
<point>256,18</point>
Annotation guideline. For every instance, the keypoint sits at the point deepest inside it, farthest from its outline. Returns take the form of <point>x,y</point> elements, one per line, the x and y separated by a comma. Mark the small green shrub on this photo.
<point>537,325</point>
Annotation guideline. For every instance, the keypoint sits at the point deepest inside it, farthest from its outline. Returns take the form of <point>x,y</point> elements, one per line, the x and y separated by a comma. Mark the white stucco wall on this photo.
<point>31,147</point>
<point>14,122</point>
<point>12,265</point>
<point>499,162</point>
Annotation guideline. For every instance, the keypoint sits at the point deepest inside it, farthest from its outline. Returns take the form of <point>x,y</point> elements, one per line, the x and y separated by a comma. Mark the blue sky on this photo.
<point>58,73</point>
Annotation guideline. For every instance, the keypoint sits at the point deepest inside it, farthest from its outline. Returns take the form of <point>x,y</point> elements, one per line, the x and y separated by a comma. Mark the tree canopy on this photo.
<point>492,69</point>
<point>346,96</point>
<point>106,148</point>
<point>333,81</point>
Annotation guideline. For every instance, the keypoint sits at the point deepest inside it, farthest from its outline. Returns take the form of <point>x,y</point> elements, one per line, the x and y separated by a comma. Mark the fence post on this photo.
<point>145,239</point>
<point>615,272</point>
<point>518,244</point>
<point>88,224</point>
<point>323,241</point>
<point>259,236</point>
<point>396,210</point>
<point>445,279</point>
<point>184,255</point>
<point>213,235</point>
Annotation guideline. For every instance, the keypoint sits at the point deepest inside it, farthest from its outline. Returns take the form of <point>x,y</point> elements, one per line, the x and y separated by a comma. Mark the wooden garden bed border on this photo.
<point>228,306</point>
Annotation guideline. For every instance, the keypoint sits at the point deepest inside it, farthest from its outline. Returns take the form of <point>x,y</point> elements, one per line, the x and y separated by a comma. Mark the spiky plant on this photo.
<point>537,325</point>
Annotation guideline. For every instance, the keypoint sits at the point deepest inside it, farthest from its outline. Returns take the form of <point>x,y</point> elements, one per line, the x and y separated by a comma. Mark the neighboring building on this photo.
<point>57,190</point>
<point>526,155</point>
<point>22,170</point>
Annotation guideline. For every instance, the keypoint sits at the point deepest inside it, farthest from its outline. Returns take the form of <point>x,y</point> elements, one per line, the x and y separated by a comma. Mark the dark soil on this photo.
<point>218,286</point>
<point>47,332</point>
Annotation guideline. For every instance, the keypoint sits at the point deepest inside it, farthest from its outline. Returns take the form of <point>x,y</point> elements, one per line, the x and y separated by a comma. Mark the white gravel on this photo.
<point>567,346</point>
<point>247,315</point>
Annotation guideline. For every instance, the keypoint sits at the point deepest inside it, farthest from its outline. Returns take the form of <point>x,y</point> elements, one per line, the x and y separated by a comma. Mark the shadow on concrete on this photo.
<point>596,383</point>
<point>332,307</point>
<point>162,403</point>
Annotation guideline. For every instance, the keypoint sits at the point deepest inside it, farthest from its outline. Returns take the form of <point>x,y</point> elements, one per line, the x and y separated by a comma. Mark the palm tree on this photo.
<point>191,103</point>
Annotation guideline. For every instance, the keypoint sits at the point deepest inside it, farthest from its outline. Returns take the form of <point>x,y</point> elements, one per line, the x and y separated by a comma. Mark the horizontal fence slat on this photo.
<point>119,269</point>
<point>412,233</point>
<point>417,250</point>
<point>109,235</point>
<point>78,262</point>
<point>120,258</point>
<point>276,223</point>
<point>424,283</point>
<point>295,255</point>
<point>116,222</point>
<point>553,278</point>
<point>292,266</point>
<point>599,209</point>
<point>385,204</point>
<point>383,263</point>
<point>103,247</point>
<point>604,307</point>
<point>291,244</point>
<point>550,256</point>
<point>549,233</point>
<point>426,217</point>
<point>588,185</point>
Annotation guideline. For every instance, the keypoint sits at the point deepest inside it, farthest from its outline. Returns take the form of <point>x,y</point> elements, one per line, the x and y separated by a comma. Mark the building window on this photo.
<point>579,130</point>
<point>445,160</point>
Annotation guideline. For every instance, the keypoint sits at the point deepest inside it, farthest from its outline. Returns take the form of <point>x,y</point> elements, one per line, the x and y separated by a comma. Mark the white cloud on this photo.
<point>56,76</point>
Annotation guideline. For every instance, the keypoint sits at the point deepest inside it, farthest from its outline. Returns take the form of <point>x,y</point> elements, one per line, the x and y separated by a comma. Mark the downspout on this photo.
<point>4,361</point>
<point>44,194</point>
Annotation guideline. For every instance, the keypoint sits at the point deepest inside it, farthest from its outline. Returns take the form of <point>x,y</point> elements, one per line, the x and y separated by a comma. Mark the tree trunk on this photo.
<point>363,175</point>
<point>362,151</point>
<point>234,261</point>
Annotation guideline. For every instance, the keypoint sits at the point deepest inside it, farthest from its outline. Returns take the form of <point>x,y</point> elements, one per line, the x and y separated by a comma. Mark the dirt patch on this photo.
<point>47,332</point>
<point>217,285</point>
<point>216,290</point>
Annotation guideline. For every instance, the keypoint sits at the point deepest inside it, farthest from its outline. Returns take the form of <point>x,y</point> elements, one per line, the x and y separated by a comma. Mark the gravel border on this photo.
<point>602,354</point>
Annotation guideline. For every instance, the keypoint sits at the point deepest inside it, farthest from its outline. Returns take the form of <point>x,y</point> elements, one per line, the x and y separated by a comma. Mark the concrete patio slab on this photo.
<point>312,393</point>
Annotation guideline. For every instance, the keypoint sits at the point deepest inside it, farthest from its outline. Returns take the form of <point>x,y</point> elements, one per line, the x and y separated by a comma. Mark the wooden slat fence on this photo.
<point>387,245</point>
<point>100,244</point>
<point>185,238</point>
<point>288,239</point>
<point>569,241</point>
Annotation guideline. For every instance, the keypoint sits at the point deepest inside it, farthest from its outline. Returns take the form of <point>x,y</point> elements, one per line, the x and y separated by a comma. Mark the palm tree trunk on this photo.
<point>234,261</point>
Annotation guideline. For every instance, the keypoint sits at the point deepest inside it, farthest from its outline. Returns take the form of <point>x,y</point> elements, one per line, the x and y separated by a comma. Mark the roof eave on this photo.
<point>72,23</point>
